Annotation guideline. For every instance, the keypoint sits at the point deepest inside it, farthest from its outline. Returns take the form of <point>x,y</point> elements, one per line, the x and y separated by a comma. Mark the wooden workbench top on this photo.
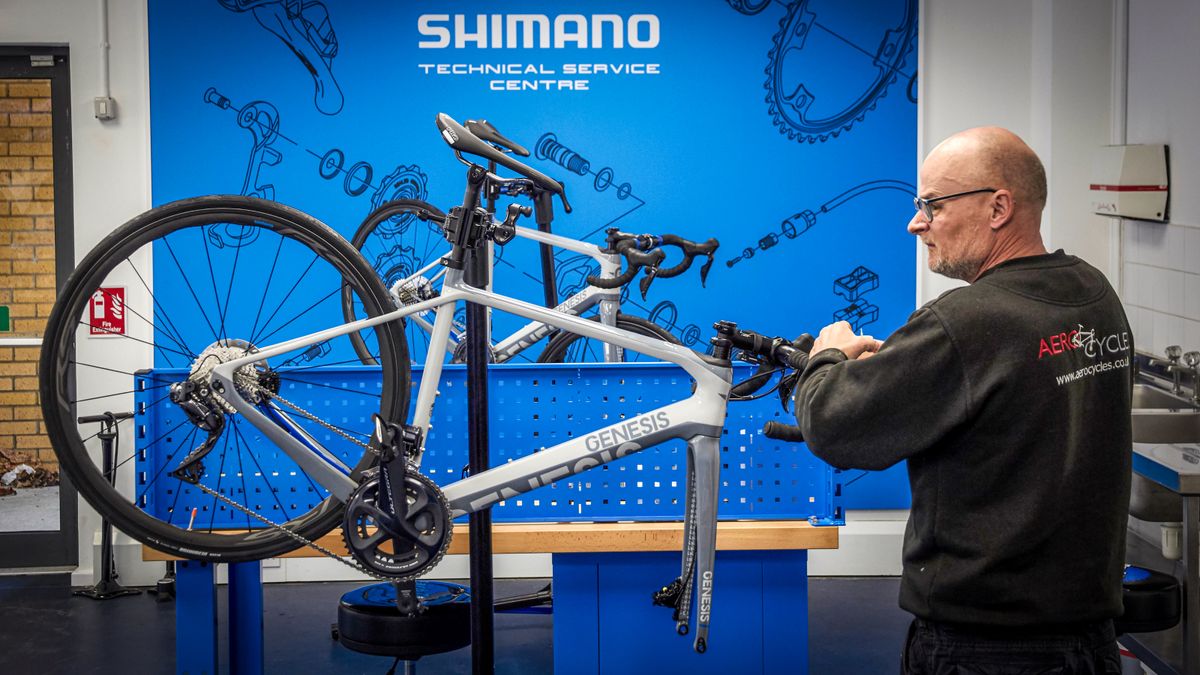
<point>756,535</point>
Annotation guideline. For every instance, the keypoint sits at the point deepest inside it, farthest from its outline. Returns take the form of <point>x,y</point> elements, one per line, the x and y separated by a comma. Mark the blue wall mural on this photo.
<point>787,130</point>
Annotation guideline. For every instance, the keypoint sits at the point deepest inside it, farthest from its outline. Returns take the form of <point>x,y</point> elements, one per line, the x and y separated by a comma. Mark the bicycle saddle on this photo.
<point>484,130</point>
<point>457,137</point>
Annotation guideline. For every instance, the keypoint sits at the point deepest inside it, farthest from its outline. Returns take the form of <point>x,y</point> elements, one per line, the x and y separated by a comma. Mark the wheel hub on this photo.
<point>254,381</point>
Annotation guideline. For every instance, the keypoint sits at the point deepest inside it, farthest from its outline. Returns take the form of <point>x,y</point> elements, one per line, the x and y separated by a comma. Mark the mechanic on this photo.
<point>1010,399</point>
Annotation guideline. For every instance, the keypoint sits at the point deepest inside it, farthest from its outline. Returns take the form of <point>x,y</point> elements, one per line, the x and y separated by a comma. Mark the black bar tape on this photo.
<point>783,432</point>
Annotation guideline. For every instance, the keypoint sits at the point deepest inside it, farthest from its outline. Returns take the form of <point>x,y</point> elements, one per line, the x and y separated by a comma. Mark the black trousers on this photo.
<point>934,648</point>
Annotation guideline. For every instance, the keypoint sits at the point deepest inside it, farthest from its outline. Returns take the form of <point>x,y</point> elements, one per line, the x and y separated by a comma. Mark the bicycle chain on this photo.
<point>305,541</point>
<point>267,393</point>
<point>354,564</point>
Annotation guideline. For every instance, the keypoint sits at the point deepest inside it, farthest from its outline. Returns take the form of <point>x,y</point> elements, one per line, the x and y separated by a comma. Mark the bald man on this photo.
<point>1010,399</point>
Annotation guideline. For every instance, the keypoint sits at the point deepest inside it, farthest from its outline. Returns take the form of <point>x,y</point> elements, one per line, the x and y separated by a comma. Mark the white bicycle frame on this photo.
<point>699,419</point>
<point>609,300</point>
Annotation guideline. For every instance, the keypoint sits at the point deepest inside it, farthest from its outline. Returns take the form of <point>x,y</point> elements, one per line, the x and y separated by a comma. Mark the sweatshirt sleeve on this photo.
<point>875,412</point>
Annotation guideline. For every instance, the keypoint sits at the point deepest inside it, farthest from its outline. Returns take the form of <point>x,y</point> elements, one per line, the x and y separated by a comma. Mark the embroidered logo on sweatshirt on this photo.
<point>1092,346</point>
<point>1083,339</point>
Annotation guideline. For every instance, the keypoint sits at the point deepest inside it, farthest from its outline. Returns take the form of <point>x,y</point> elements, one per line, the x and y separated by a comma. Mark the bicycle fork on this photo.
<point>699,541</point>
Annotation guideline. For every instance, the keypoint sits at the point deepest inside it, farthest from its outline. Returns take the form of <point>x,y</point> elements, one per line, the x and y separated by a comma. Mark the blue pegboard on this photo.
<point>532,406</point>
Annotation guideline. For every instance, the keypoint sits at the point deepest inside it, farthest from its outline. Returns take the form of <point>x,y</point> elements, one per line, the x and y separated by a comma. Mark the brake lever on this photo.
<point>704,270</point>
<point>787,384</point>
<point>644,284</point>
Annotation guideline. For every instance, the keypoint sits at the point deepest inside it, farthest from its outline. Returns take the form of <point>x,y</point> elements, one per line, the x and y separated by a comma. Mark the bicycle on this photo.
<point>387,239</point>
<point>364,471</point>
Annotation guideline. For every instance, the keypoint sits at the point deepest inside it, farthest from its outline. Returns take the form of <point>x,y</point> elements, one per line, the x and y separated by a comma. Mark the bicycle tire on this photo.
<point>194,226</point>
<point>564,344</point>
<point>388,262</point>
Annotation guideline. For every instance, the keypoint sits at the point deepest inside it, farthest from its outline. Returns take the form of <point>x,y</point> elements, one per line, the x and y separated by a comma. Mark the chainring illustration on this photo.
<point>811,102</point>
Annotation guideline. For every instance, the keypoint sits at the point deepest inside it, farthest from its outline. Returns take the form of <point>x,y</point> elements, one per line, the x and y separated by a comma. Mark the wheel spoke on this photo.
<point>263,473</point>
<point>221,334</point>
<point>183,275</point>
<point>177,336</point>
<point>270,277</point>
<point>186,442</point>
<point>220,476</point>
<point>294,318</point>
<point>330,386</point>
<point>254,339</point>
<point>130,337</point>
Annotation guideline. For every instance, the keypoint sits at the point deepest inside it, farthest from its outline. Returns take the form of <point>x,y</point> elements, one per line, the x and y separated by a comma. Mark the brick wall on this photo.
<point>27,284</point>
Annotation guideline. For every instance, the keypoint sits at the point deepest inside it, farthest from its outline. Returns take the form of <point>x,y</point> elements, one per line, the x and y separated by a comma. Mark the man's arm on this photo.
<point>871,413</point>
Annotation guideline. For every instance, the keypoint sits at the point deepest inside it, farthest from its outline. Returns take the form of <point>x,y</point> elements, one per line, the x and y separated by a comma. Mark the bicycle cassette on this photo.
<point>414,544</point>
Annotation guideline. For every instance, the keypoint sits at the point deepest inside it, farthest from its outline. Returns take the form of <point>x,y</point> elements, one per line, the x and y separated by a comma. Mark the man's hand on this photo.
<point>840,336</point>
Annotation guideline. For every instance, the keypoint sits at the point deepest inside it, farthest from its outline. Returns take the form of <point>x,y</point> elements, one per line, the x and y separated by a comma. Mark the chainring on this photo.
<point>394,555</point>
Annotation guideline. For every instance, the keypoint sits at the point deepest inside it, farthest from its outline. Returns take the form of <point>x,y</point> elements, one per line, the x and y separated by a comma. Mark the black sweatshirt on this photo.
<point>1010,399</point>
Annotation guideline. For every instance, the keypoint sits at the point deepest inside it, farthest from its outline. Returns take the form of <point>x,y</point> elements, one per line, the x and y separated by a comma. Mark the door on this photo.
<point>38,525</point>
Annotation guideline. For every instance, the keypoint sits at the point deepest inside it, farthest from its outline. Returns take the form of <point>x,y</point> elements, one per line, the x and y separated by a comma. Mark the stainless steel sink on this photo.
<point>1149,396</point>
<point>1160,417</point>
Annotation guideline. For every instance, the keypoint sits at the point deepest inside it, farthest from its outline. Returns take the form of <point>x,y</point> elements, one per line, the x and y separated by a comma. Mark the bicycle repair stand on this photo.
<point>383,619</point>
<point>483,618</point>
<point>107,587</point>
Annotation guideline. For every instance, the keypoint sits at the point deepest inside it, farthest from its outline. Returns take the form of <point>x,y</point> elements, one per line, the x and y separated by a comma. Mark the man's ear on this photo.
<point>1002,209</point>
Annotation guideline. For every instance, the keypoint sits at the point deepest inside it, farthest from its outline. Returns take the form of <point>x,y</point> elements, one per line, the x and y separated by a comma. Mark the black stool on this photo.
<point>370,622</point>
<point>1152,601</point>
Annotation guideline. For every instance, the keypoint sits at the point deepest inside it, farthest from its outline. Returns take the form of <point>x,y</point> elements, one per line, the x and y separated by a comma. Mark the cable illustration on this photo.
<point>305,28</point>
<point>548,148</point>
<point>666,314</point>
<point>406,181</point>
<point>799,223</point>
<point>261,119</point>
<point>852,287</point>
<point>804,99</point>
<point>749,7</point>
<point>331,164</point>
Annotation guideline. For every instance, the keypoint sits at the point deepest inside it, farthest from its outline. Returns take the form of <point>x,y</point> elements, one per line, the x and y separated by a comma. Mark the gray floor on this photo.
<point>855,628</point>
<point>30,510</point>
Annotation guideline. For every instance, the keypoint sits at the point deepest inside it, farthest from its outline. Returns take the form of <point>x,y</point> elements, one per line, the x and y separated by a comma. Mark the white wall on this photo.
<point>1039,67</point>
<point>1162,261</point>
<point>110,160</point>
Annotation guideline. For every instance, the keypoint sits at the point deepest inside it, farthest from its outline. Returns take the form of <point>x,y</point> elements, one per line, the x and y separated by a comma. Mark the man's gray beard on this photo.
<point>963,269</point>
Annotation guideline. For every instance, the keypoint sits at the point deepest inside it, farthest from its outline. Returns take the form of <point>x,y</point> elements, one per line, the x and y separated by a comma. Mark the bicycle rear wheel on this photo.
<point>396,242</point>
<point>177,289</point>
<point>574,348</point>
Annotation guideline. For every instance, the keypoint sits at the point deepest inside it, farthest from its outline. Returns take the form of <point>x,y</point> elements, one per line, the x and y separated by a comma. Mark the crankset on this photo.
<point>402,542</point>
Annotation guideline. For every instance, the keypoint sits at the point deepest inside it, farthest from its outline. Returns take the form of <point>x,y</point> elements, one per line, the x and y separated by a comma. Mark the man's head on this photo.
<point>1001,217</point>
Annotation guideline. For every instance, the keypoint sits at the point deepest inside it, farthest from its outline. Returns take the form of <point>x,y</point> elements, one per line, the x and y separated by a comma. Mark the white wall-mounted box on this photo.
<point>1130,181</point>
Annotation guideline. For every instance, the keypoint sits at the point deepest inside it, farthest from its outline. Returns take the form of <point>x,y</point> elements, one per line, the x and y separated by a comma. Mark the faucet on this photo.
<point>1192,360</point>
<point>1172,366</point>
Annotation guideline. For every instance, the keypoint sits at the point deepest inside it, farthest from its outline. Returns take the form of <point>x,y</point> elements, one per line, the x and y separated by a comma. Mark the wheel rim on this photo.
<point>204,276</point>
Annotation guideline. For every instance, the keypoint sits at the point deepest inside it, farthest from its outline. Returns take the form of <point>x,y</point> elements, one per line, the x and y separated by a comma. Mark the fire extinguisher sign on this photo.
<point>108,311</point>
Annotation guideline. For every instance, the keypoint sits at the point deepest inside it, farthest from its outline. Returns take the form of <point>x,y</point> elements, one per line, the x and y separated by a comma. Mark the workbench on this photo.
<point>604,575</point>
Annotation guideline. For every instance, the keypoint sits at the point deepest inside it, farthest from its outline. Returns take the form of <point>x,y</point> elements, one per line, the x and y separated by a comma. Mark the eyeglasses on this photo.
<point>925,206</point>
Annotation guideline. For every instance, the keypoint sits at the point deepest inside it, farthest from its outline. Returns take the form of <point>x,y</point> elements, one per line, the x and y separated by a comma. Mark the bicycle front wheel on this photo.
<point>160,301</point>
<point>574,348</point>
